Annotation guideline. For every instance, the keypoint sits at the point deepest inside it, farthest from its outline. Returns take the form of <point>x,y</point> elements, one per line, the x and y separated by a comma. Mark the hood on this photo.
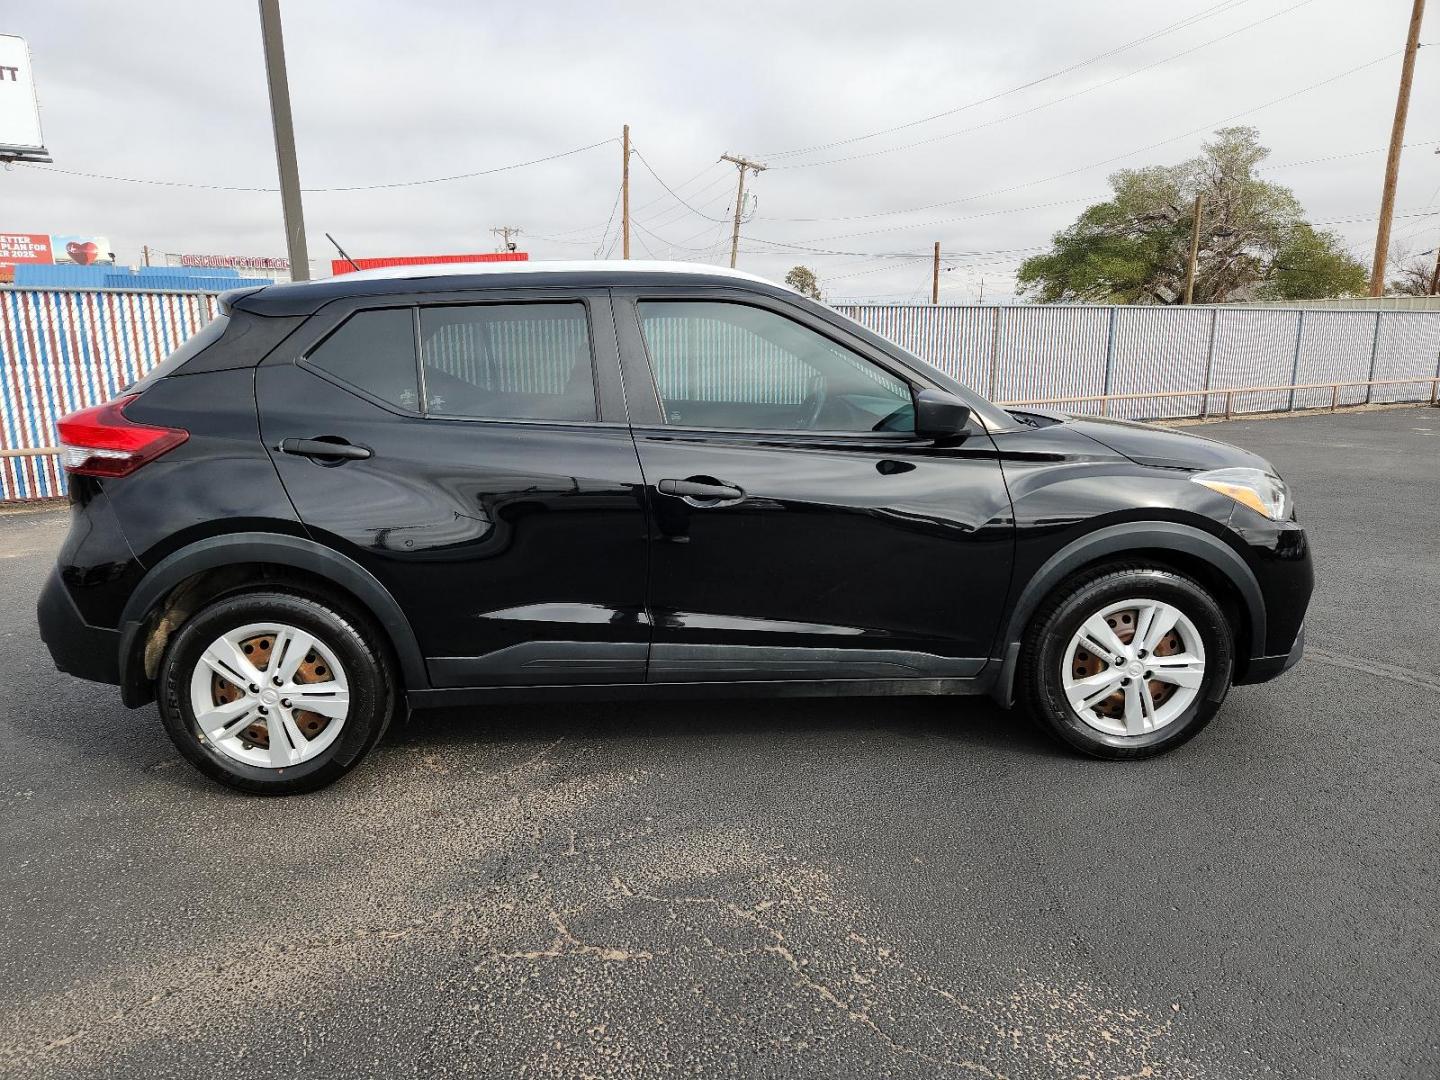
<point>1164,448</point>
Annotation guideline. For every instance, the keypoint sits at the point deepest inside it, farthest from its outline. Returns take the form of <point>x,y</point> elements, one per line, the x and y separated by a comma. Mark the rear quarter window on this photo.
<point>206,336</point>
<point>374,351</point>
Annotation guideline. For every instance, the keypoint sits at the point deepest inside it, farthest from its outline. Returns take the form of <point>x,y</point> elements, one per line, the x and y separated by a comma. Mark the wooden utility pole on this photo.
<point>1435,274</point>
<point>1397,140</point>
<point>1194,250</point>
<point>742,164</point>
<point>505,232</point>
<point>147,254</point>
<point>935,276</point>
<point>625,195</point>
<point>280,120</point>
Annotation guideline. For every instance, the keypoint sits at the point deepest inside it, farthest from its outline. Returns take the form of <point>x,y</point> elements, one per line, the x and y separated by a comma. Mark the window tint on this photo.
<point>375,351</point>
<point>508,361</point>
<point>727,365</point>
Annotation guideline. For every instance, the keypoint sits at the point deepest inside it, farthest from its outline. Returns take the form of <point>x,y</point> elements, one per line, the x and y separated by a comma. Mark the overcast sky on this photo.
<point>389,92</point>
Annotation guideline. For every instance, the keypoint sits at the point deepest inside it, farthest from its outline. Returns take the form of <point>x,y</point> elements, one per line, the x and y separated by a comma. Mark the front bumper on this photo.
<point>88,652</point>
<point>1264,668</point>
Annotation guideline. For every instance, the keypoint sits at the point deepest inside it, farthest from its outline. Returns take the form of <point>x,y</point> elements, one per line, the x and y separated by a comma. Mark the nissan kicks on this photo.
<point>569,481</point>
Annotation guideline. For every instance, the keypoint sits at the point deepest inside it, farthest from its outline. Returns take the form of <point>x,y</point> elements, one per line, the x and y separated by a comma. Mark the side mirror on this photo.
<point>939,415</point>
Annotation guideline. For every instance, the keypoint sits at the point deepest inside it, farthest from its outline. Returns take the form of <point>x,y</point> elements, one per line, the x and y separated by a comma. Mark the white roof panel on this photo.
<point>607,266</point>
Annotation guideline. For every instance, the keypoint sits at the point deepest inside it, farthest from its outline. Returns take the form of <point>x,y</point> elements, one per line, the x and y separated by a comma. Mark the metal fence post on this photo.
<point>1109,359</point>
<point>995,354</point>
<point>1209,363</point>
<point>1374,354</point>
<point>1295,367</point>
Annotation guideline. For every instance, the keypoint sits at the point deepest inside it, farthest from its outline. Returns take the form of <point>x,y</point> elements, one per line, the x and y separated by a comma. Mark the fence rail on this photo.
<point>62,350</point>
<point>1230,392</point>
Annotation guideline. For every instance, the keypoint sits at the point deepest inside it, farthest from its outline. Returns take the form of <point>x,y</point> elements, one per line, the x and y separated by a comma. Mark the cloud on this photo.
<point>387,92</point>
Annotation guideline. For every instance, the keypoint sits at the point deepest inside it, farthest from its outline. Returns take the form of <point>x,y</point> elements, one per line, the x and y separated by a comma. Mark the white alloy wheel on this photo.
<point>269,695</point>
<point>1133,667</point>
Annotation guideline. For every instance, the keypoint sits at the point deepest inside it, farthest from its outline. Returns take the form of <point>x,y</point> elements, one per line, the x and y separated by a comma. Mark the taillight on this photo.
<point>102,441</point>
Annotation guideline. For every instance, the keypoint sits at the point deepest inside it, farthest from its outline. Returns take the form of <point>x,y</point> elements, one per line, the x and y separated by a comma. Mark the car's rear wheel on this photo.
<point>1127,661</point>
<point>274,693</point>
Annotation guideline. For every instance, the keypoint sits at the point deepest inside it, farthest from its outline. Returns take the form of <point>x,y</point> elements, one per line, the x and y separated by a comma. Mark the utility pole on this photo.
<point>935,277</point>
<point>1397,139</point>
<point>147,254</point>
<point>742,164</point>
<point>505,232</point>
<point>284,127</point>
<point>1435,274</point>
<point>625,194</point>
<point>1194,250</point>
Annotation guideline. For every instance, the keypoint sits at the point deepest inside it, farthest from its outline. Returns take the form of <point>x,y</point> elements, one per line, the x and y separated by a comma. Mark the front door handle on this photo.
<point>701,491</point>
<point>331,448</point>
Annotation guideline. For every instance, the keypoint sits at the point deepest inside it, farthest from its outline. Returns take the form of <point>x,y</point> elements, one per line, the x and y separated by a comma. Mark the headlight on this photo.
<point>1263,492</point>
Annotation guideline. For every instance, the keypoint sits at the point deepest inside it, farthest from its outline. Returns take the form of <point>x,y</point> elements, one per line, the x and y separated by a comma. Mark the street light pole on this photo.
<point>280,118</point>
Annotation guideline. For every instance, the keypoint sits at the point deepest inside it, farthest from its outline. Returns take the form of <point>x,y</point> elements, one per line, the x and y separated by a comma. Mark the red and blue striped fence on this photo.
<point>62,350</point>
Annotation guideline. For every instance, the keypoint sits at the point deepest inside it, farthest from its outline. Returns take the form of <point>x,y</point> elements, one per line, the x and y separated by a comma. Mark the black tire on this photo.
<point>1043,651</point>
<point>373,693</point>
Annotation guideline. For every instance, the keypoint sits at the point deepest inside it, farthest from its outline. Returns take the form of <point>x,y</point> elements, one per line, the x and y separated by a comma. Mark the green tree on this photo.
<point>803,280</point>
<point>1254,241</point>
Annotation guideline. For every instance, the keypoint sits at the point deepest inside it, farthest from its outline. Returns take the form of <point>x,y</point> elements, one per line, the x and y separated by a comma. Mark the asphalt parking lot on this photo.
<point>866,888</point>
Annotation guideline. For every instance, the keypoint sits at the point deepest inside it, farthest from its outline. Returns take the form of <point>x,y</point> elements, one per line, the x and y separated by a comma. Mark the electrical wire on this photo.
<point>333,190</point>
<point>1046,104</point>
<point>1081,168</point>
<point>1189,20</point>
<point>667,187</point>
<point>611,219</point>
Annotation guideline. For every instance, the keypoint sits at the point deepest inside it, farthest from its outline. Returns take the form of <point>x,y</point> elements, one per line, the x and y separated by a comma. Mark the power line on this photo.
<point>610,220</point>
<point>668,243</point>
<point>675,212</point>
<point>1189,20</point>
<point>355,187</point>
<point>885,254</point>
<point>1047,104</point>
<point>677,198</point>
<point>1082,168</point>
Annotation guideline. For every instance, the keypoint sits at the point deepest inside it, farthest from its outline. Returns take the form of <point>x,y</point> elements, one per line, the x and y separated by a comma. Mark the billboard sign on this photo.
<point>238,262</point>
<point>83,250</point>
<point>20,136</point>
<point>25,248</point>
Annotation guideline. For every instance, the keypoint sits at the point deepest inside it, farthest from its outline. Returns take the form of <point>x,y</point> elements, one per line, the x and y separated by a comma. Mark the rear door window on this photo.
<point>527,361</point>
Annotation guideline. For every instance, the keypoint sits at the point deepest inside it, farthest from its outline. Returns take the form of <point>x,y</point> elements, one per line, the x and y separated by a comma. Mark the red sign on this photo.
<point>343,266</point>
<point>25,248</point>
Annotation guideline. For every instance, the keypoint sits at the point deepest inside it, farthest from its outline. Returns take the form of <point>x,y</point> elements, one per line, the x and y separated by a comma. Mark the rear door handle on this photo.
<point>701,491</point>
<point>324,448</point>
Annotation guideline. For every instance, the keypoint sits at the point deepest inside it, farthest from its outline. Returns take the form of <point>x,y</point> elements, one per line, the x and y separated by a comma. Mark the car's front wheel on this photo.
<point>273,693</point>
<point>1127,661</point>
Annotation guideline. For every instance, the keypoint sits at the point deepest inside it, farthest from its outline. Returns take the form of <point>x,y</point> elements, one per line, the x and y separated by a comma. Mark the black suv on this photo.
<point>423,486</point>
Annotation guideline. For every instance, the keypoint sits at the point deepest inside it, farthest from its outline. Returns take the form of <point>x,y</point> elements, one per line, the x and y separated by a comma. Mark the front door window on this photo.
<point>725,365</point>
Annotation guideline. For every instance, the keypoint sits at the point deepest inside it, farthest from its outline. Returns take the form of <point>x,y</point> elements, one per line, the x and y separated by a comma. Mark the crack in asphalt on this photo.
<point>1377,668</point>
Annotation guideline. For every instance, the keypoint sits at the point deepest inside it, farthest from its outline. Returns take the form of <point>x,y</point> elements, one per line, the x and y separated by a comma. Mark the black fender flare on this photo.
<point>1118,540</point>
<point>277,549</point>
